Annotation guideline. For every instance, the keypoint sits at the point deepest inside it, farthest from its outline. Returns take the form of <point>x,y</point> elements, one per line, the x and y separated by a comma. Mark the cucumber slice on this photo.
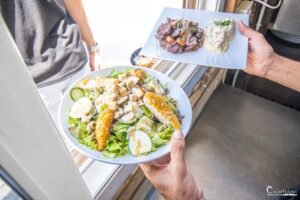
<point>76,93</point>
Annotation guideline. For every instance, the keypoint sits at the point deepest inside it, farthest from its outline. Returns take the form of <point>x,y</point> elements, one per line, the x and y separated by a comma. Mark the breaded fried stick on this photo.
<point>103,126</point>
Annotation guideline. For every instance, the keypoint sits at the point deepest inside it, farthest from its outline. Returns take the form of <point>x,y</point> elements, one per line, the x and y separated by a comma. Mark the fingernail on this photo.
<point>178,134</point>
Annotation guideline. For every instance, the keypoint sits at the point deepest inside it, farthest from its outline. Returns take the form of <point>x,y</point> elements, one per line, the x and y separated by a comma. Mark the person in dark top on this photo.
<point>49,34</point>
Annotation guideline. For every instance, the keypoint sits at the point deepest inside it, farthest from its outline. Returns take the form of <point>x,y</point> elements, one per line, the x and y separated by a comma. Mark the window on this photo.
<point>6,192</point>
<point>9,189</point>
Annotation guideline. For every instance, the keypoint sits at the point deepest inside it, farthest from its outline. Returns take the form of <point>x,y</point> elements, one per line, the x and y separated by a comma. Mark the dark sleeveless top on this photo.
<point>47,38</point>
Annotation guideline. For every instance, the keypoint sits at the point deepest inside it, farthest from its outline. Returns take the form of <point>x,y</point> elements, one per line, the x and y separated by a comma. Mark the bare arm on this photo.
<point>285,72</point>
<point>264,62</point>
<point>76,10</point>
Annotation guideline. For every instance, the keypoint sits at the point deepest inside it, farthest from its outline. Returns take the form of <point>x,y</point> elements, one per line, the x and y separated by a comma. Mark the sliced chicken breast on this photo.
<point>162,111</point>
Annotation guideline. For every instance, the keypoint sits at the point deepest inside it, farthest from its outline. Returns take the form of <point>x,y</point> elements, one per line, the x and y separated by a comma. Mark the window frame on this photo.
<point>14,186</point>
<point>24,151</point>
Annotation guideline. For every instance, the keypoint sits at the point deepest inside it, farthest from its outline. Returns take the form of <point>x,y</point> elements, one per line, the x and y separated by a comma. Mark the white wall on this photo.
<point>121,26</point>
<point>31,148</point>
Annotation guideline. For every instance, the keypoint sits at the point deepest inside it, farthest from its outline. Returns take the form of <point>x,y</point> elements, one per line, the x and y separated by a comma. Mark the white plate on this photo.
<point>234,58</point>
<point>175,91</point>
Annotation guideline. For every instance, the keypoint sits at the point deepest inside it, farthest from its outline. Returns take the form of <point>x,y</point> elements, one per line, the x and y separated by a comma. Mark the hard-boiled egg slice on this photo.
<point>139,143</point>
<point>81,108</point>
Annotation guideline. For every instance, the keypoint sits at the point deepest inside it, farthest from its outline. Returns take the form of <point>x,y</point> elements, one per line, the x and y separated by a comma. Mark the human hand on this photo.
<point>169,174</point>
<point>95,60</point>
<point>260,54</point>
<point>92,60</point>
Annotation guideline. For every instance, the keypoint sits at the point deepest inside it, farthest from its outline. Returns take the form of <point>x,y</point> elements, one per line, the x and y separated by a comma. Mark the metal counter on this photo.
<point>243,143</point>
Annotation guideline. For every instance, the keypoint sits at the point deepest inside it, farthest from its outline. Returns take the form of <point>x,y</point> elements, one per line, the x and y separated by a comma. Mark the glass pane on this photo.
<point>120,27</point>
<point>6,193</point>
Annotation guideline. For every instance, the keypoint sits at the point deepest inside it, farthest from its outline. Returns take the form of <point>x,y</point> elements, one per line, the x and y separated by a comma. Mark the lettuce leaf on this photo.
<point>147,80</point>
<point>114,73</point>
<point>114,147</point>
<point>85,137</point>
<point>117,145</point>
<point>157,141</point>
<point>108,154</point>
<point>120,130</point>
<point>121,135</point>
<point>166,134</point>
<point>127,69</point>
<point>91,94</point>
<point>119,126</point>
<point>147,112</point>
<point>103,107</point>
<point>162,138</point>
<point>171,102</point>
<point>73,122</point>
<point>88,141</point>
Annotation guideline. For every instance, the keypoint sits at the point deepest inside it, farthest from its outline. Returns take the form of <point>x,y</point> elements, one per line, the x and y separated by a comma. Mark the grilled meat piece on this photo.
<point>174,48</point>
<point>164,29</point>
<point>178,35</point>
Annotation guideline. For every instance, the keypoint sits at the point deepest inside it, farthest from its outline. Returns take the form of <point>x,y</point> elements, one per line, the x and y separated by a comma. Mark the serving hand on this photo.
<point>169,174</point>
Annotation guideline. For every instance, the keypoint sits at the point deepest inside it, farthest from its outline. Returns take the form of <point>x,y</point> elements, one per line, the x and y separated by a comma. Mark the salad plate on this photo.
<point>209,38</point>
<point>134,124</point>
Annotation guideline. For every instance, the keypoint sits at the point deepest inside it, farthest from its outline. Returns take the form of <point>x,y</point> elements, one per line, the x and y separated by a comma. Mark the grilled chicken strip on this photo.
<point>103,126</point>
<point>162,111</point>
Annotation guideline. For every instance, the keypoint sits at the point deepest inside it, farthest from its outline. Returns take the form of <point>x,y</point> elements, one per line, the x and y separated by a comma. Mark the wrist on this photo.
<point>275,61</point>
<point>90,42</point>
<point>187,189</point>
<point>198,193</point>
<point>93,49</point>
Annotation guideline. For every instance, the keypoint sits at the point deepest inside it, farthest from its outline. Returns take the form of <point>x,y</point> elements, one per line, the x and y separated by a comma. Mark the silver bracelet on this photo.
<point>94,48</point>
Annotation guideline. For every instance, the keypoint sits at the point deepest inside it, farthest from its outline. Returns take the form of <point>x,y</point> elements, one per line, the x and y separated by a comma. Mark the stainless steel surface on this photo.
<point>288,16</point>
<point>241,144</point>
<point>287,36</point>
<point>172,68</point>
<point>194,79</point>
<point>183,73</point>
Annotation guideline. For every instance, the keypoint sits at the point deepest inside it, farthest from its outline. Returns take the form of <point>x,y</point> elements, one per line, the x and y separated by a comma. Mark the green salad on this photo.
<point>127,112</point>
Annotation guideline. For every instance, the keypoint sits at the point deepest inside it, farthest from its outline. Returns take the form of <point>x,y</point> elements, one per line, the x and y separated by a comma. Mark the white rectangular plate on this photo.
<point>234,58</point>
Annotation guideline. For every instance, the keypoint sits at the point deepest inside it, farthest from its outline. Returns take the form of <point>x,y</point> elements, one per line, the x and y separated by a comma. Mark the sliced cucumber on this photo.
<point>76,93</point>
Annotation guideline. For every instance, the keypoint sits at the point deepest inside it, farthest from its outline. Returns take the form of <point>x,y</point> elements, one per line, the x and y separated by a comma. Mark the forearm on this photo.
<point>76,10</point>
<point>285,72</point>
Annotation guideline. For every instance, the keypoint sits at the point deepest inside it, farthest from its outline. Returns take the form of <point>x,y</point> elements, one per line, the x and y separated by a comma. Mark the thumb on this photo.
<point>246,31</point>
<point>177,147</point>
